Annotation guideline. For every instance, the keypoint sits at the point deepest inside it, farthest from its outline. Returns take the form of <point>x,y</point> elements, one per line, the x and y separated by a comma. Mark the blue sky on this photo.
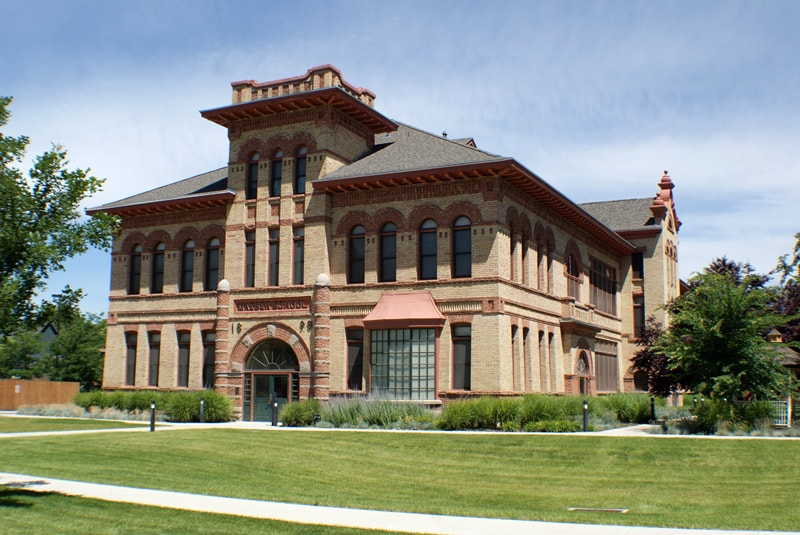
<point>597,98</point>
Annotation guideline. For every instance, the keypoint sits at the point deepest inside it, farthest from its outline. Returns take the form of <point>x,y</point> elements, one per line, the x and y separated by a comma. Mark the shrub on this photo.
<point>553,426</point>
<point>467,414</point>
<point>177,406</point>
<point>300,413</point>
<point>541,407</point>
<point>628,408</point>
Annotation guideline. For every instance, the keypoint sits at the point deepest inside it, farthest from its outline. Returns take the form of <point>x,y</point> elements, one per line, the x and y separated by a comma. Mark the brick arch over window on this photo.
<point>249,148</point>
<point>211,231</point>
<point>512,219</point>
<point>421,213</point>
<point>573,249</point>
<point>272,331</point>
<point>462,208</point>
<point>134,239</point>
<point>302,139</point>
<point>384,216</point>
<point>351,220</point>
<point>185,234</point>
<point>156,237</point>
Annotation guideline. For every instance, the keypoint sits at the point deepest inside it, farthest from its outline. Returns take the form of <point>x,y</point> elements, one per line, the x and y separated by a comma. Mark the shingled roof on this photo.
<point>197,188</point>
<point>411,149</point>
<point>628,214</point>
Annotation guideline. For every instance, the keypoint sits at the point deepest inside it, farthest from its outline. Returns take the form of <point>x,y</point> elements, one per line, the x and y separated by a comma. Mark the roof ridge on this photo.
<point>453,141</point>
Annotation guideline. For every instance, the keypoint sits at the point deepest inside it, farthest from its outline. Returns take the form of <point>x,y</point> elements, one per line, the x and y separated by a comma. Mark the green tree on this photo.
<point>17,354</point>
<point>715,344</point>
<point>40,224</point>
<point>75,354</point>
<point>789,264</point>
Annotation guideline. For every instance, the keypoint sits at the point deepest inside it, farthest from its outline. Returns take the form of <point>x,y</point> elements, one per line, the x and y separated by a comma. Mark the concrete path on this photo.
<point>334,516</point>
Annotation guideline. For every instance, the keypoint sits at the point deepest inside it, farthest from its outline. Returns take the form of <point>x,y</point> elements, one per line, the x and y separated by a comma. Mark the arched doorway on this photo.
<point>271,367</point>
<point>582,371</point>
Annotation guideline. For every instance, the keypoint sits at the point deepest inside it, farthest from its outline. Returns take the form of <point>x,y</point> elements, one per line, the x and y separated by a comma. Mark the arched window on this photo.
<point>427,250</point>
<point>187,266</point>
<point>462,247</point>
<point>388,263</point>
<point>582,370</point>
<point>251,185</point>
<point>355,271</point>
<point>135,270</point>
<point>300,171</point>
<point>275,176</point>
<point>157,277</point>
<point>212,264</point>
<point>573,277</point>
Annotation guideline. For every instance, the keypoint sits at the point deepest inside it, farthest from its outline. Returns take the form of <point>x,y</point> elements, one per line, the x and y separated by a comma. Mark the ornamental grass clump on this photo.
<point>627,408</point>
<point>175,406</point>
<point>300,413</point>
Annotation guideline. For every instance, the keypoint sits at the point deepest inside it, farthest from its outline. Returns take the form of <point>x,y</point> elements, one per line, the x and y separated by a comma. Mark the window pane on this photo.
<point>250,259</point>
<point>130,358</point>
<point>274,252</point>
<point>403,363</point>
<point>356,254</point>
<point>427,253</point>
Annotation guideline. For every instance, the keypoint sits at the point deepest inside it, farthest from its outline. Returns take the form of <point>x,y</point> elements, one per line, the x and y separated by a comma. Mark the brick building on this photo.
<point>342,253</point>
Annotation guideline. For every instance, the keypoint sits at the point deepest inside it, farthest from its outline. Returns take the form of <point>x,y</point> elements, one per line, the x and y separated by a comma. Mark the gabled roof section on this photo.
<point>628,214</point>
<point>406,309</point>
<point>410,156</point>
<point>207,189</point>
<point>409,149</point>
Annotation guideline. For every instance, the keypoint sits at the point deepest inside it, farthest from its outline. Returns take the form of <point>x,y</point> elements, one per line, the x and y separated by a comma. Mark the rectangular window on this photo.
<point>427,254</point>
<point>155,358</point>
<point>275,179</point>
<point>249,259</point>
<point>157,278</point>
<point>355,359</point>
<point>184,345</point>
<point>251,190</point>
<point>403,363</point>
<point>300,175</point>
<point>130,359</point>
<point>274,261</point>
<point>462,357</point>
<point>298,260</point>
<point>603,287</point>
<point>638,315</point>
<point>187,270</point>
<point>209,356</point>
<point>637,265</point>
<point>606,366</point>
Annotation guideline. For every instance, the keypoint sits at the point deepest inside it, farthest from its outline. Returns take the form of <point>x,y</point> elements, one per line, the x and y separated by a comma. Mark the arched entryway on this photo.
<point>582,373</point>
<point>271,367</point>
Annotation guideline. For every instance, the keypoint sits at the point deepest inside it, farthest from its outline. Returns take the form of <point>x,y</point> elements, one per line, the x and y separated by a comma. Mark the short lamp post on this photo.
<point>585,415</point>
<point>202,410</point>
<point>152,416</point>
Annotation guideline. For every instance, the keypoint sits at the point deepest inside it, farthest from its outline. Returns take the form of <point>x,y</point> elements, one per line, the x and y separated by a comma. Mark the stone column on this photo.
<point>321,342</point>
<point>224,381</point>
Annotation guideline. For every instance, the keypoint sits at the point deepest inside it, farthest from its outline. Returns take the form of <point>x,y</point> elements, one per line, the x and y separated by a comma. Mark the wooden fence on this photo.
<point>14,393</point>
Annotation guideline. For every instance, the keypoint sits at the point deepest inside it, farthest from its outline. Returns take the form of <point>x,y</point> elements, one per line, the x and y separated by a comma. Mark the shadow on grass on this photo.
<point>17,496</point>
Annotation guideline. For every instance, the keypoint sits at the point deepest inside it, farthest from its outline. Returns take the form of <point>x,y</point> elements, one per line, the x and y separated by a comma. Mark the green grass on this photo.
<point>36,513</point>
<point>676,482</point>
<point>27,425</point>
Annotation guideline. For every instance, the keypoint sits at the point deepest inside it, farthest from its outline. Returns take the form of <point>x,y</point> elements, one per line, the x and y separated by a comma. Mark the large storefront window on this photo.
<point>403,363</point>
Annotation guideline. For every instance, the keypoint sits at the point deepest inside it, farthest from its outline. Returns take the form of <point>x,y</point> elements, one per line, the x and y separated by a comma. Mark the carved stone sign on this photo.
<point>281,304</point>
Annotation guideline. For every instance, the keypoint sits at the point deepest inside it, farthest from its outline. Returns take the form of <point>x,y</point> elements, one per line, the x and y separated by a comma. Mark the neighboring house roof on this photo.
<point>198,187</point>
<point>410,149</point>
<point>628,214</point>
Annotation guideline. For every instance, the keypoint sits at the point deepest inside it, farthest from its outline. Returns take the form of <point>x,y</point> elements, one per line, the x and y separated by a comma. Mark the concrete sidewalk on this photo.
<point>334,516</point>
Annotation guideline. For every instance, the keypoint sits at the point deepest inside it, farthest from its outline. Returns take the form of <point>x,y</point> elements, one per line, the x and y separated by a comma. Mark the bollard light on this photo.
<point>152,416</point>
<point>202,410</point>
<point>585,415</point>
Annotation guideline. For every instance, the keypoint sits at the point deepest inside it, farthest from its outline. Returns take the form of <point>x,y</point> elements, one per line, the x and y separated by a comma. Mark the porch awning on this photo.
<point>404,311</point>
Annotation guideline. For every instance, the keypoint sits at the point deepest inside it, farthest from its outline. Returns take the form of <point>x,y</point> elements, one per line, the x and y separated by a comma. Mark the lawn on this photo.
<point>36,513</point>
<point>675,482</point>
<point>27,425</point>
